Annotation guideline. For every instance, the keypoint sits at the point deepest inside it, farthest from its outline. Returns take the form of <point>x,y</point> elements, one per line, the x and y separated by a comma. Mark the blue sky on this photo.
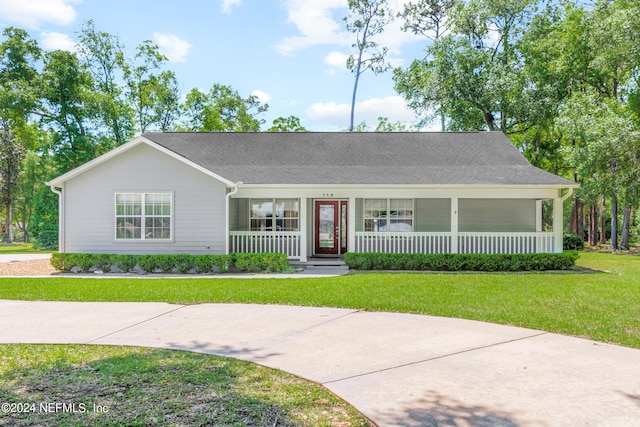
<point>289,53</point>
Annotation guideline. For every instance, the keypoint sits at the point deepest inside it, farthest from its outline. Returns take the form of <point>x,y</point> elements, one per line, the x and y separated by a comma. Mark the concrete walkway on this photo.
<point>22,257</point>
<point>397,369</point>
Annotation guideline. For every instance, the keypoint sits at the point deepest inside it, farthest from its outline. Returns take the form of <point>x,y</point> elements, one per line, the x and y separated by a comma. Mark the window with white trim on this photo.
<point>382,215</point>
<point>274,214</point>
<point>143,216</point>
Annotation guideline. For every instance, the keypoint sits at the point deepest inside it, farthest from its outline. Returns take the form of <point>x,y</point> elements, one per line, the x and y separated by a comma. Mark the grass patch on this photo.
<point>601,306</point>
<point>108,386</point>
<point>22,248</point>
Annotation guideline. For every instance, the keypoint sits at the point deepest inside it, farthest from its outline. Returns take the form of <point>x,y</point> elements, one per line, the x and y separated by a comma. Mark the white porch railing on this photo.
<point>491,243</point>
<point>287,242</point>
<point>505,243</point>
<point>434,243</point>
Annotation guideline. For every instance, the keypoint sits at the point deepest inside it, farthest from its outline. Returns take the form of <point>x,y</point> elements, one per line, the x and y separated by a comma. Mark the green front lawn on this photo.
<point>129,386</point>
<point>603,306</point>
<point>21,248</point>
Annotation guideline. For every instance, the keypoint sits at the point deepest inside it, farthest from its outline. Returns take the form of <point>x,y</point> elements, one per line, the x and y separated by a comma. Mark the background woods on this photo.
<point>560,79</point>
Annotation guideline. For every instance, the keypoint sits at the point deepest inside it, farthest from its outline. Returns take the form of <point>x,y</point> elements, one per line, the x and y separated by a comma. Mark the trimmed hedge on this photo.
<point>171,263</point>
<point>460,262</point>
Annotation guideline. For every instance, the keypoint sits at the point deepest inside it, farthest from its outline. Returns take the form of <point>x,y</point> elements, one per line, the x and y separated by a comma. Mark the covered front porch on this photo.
<point>330,224</point>
<point>405,242</point>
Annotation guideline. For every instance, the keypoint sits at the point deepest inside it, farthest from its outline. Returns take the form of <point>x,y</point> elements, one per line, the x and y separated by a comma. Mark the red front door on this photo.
<point>330,227</point>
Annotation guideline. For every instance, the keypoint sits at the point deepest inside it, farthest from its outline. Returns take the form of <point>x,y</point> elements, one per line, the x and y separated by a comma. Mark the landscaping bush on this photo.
<point>572,242</point>
<point>123,262</point>
<point>170,263</point>
<point>268,262</point>
<point>47,240</point>
<point>460,262</point>
<point>213,263</point>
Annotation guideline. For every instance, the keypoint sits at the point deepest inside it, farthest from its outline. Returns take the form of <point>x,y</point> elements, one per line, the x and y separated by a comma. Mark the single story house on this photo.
<point>310,194</point>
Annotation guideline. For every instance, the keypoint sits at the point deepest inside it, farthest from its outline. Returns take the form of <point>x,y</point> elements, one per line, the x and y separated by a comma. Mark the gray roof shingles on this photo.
<point>328,158</point>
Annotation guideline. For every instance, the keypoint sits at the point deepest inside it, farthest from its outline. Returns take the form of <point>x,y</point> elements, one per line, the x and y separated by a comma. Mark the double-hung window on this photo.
<point>383,215</point>
<point>274,214</point>
<point>143,216</point>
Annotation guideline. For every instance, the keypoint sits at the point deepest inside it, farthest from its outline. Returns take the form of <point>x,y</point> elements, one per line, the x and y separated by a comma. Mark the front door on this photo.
<point>330,227</point>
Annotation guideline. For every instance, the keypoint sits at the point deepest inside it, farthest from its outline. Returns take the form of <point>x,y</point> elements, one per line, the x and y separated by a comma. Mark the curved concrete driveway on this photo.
<point>397,369</point>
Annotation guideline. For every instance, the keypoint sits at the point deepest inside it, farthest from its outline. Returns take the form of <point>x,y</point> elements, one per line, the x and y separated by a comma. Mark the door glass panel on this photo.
<point>326,232</point>
<point>343,225</point>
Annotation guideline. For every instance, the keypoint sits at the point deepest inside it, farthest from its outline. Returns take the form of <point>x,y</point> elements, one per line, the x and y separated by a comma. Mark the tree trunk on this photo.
<point>8,238</point>
<point>626,224</point>
<point>593,225</point>
<point>353,99</point>
<point>603,222</point>
<point>489,120</point>
<point>573,224</point>
<point>614,222</point>
<point>583,220</point>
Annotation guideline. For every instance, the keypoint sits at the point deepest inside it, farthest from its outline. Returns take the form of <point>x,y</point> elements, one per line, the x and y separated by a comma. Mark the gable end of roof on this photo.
<point>57,182</point>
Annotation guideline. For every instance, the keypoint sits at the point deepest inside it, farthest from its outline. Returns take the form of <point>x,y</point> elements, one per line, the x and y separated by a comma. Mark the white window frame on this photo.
<point>387,218</point>
<point>143,216</point>
<point>273,218</point>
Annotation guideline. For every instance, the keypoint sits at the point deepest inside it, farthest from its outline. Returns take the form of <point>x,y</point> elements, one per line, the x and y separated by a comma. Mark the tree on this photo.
<point>385,126</point>
<point>18,56</point>
<point>429,19</point>
<point>167,101</point>
<point>366,19</point>
<point>19,97</point>
<point>597,69</point>
<point>222,110</point>
<point>11,155</point>
<point>154,95</point>
<point>103,57</point>
<point>66,108</point>
<point>287,124</point>
<point>473,74</point>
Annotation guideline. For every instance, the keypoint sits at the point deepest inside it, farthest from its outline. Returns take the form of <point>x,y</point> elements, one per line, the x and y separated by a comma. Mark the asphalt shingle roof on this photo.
<point>429,158</point>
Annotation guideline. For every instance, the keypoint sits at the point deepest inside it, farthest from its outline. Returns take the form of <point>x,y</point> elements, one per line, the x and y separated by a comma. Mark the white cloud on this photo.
<point>315,23</point>
<point>227,5</point>
<point>337,60</point>
<point>320,22</point>
<point>57,41</point>
<point>173,47</point>
<point>34,13</point>
<point>337,115</point>
<point>262,96</point>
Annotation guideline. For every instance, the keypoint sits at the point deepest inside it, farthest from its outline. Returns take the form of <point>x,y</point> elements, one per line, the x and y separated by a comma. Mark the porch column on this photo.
<point>454,225</point>
<point>303,229</point>
<point>539,246</point>
<point>557,224</point>
<point>351,225</point>
<point>538,216</point>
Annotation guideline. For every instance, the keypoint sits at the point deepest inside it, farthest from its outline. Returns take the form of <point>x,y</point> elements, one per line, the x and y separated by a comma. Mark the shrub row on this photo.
<point>460,262</point>
<point>171,263</point>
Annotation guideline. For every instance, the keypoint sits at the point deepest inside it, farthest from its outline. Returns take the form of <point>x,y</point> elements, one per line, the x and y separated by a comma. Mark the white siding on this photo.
<point>198,205</point>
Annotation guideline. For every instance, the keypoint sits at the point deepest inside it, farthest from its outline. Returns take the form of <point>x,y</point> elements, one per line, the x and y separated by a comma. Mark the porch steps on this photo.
<point>320,266</point>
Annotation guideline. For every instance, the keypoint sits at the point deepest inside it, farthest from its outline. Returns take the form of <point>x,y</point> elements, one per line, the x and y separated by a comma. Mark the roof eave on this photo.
<point>395,186</point>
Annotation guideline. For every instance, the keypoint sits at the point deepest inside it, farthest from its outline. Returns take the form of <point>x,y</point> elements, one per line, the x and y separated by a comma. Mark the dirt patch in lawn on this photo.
<point>37,267</point>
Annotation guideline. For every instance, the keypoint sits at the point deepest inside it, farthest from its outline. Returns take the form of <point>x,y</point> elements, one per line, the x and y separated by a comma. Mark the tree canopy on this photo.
<point>560,79</point>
